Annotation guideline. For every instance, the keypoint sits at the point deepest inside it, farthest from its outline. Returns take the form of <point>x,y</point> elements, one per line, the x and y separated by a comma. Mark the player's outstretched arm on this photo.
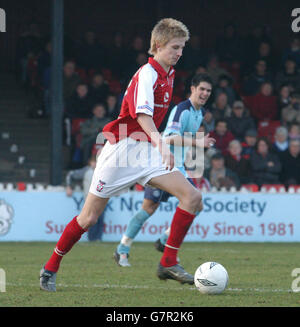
<point>199,141</point>
<point>147,124</point>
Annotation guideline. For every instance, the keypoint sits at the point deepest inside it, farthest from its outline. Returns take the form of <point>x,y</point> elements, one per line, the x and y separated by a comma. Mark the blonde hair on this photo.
<point>165,30</point>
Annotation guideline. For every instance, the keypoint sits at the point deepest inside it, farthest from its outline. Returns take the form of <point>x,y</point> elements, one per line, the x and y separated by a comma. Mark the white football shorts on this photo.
<point>123,164</point>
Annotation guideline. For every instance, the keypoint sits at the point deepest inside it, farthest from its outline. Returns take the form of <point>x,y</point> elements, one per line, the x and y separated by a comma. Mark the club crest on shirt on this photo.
<point>100,185</point>
<point>166,97</point>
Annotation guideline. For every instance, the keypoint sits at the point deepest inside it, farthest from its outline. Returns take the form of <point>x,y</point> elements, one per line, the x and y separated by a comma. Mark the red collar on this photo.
<point>159,68</point>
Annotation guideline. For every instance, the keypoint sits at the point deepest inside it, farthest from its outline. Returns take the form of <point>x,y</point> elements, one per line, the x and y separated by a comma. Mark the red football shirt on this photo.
<point>149,92</point>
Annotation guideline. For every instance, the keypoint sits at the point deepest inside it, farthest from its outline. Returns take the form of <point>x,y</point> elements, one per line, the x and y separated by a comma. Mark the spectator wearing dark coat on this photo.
<point>112,106</point>
<point>98,89</point>
<point>70,80</point>
<point>288,76</point>
<point>91,128</point>
<point>79,105</point>
<point>220,176</point>
<point>240,121</point>
<point>265,165</point>
<point>253,82</point>
<point>248,145</point>
<point>220,109</point>
<point>290,160</point>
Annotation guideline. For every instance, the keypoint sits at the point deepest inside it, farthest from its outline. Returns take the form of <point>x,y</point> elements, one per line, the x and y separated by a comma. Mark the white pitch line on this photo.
<point>257,290</point>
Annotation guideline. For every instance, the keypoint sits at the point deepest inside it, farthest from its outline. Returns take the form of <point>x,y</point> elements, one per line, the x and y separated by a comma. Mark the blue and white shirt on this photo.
<point>184,120</point>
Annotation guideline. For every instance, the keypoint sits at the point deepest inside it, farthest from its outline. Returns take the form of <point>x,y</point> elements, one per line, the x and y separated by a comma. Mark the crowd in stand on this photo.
<point>253,113</point>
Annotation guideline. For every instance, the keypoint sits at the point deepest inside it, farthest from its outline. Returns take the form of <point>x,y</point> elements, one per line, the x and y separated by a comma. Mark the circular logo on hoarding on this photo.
<point>6,215</point>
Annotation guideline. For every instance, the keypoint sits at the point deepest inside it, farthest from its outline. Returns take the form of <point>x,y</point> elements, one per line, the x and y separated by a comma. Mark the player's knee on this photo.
<point>150,208</point>
<point>195,201</point>
<point>87,221</point>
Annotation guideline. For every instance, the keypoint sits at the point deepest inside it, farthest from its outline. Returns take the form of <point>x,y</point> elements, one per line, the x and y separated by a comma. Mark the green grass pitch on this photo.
<point>259,275</point>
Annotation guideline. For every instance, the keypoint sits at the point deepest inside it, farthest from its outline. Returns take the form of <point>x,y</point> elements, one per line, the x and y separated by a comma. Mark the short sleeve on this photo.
<point>177,122</point>
<point>144,92</point>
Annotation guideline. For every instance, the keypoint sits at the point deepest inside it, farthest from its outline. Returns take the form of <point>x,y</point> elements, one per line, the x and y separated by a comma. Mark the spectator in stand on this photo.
<point>225,86</point>
<point>79,105</point>
<point>263,106</point>
<point>251,45</point>
<point>29,44</point>
<point>44,61</point>
<point>281,142</point>
<point>265,53</point>
<point>140,60</point>
<point>98,88</point>
<point>228,45</point>
<point>294,132</point>
<point>201,69</point>
<point>249,143</point>
<point>239,121</point>
<point>284,98</point>
<point>136,47</point>
<point>85,175</point>
<point>220,176</point>
<point>91,54</point>
<point>222,136</point>
<point>117,55</point>
<point>112,107</point>
<point>265,165</point>
<point>70,80</point>
<point>254,81</point>
<point>214,70</point>
<point>236,162</point>
<point>220,109</point>
<point>194,55</point>
<point>290,160</point>
<point>90,128</point>
<point>209,121</point>
<point>291,113</point>
<point>293,51</point>
<point>289,76</point>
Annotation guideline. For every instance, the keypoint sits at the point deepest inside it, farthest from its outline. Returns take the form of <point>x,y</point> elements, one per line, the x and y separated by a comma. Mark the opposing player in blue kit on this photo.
<point>185,118</point>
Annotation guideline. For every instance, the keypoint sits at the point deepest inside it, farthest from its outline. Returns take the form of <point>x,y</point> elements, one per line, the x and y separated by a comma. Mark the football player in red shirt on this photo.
<point>136,153</point>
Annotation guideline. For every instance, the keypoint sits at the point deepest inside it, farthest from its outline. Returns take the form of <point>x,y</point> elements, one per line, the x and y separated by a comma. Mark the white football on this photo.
<point>211,278</point>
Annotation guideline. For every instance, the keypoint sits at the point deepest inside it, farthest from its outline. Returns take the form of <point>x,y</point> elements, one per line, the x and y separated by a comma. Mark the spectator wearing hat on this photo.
<point>220,176</point>
<point>240,121</point>
<point>281,142</point>
<point>248,145</point>
<point>222,136</point>
<point>265,165</point>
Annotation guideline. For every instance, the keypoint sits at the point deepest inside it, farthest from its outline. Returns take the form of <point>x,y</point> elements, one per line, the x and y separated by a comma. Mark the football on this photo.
<point>211,278</point>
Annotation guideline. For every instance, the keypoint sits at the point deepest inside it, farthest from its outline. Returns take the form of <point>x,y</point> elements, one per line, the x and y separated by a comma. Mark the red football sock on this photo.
<point>180,225</point>
<point>71,234</point>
